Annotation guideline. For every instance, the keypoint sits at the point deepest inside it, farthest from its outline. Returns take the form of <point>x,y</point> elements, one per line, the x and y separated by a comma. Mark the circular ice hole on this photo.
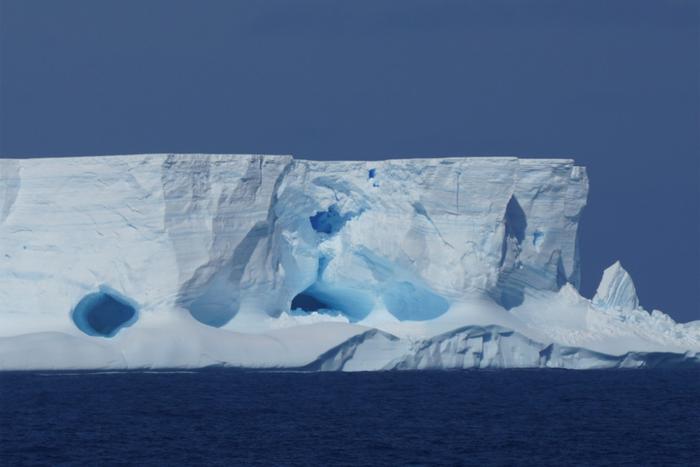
<point>103,314</point>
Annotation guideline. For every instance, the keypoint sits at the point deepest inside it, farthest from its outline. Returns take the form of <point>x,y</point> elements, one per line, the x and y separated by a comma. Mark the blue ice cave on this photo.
<point>329,221</point>
<point>307,302</point>
<point>103,314</point>
<point>353,303</point>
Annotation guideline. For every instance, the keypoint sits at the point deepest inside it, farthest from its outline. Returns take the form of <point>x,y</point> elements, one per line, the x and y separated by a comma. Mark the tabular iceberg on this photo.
<point>183,260</point>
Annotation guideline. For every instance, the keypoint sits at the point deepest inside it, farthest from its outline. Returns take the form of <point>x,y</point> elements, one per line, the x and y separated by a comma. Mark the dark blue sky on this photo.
<point>613,84</point>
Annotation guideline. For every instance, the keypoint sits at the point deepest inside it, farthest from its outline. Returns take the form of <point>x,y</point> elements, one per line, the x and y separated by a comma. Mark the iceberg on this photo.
<point>256,261</point>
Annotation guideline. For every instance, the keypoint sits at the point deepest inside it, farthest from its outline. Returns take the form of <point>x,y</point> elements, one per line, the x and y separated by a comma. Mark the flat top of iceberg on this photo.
<point>424,159</point>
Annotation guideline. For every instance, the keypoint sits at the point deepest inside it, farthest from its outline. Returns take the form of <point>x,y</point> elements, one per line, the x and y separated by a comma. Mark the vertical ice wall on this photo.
<point>229,238</point>
<point>219,215</point>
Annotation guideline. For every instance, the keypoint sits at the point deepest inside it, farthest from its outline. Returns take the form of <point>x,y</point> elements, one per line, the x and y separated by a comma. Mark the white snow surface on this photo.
<point>191,260</point>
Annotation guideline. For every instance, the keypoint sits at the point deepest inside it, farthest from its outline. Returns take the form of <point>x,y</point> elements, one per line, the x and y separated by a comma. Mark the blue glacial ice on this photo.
<point>190,260</point>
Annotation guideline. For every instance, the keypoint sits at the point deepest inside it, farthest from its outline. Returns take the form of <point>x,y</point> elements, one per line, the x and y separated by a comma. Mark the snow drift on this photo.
<point>268,261</point>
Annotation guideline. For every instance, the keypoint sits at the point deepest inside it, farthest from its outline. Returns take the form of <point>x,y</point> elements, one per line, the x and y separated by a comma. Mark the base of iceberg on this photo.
<point>268,262</point>
<point>317,342</point>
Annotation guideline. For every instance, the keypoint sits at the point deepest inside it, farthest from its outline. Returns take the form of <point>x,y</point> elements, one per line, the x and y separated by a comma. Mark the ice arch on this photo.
<point>307,302</point>
<point>351,302</point>
<point>348,297</point>
<point>103,314</point>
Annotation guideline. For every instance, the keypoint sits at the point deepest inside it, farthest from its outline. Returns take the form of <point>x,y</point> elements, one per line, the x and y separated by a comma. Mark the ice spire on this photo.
<point>616,289</point>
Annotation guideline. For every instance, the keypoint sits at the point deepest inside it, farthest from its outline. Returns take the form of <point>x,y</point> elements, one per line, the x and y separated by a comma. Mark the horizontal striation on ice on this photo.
<point>207,248</point>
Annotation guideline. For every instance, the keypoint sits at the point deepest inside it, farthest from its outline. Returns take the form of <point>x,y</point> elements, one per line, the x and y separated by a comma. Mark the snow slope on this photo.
<point>171,260</point>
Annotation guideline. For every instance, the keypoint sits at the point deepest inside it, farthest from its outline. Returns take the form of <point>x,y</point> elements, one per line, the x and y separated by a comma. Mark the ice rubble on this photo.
<point>174,260</point>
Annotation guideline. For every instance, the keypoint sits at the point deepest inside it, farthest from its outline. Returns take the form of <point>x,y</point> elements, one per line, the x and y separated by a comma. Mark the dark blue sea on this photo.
<point>233,417</point>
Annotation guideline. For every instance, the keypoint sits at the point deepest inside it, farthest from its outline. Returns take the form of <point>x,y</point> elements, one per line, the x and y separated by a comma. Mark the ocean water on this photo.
<point>233,417</point>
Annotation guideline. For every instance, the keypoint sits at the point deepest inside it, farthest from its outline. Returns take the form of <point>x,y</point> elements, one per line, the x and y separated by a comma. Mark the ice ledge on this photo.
<point>472,347</point>
<point>360,349</point>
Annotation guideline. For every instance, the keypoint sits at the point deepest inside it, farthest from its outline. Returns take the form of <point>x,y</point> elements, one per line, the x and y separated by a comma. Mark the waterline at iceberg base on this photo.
<point>184,261</point>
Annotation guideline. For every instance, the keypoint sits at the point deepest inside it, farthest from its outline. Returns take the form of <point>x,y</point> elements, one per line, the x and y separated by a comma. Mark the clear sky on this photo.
<point>613,84</point>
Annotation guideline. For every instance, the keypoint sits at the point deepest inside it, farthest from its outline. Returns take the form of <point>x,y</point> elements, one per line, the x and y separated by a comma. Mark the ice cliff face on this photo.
<point>223,250</point>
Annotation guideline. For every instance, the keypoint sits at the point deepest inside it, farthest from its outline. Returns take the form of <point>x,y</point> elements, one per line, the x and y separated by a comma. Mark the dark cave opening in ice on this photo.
<point>515,220</point>
<point>103,314</point>
<point>323,298</point>
<point>307,302</point>
<point>329,221</point>
<point>510,287</point>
